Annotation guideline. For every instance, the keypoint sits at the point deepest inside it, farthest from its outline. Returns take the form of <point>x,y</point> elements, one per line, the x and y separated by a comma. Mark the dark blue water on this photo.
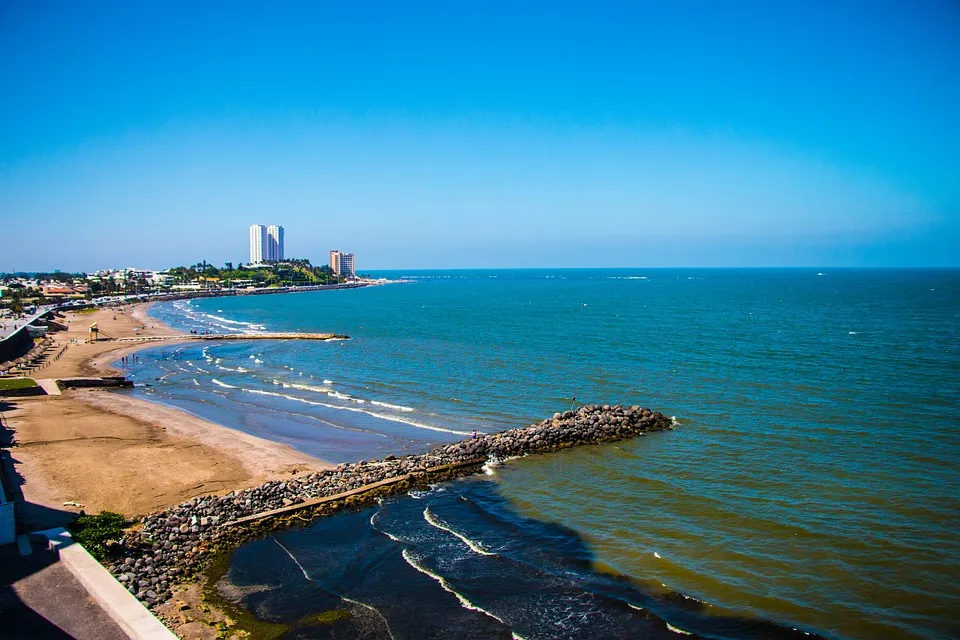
<point>813,479</point>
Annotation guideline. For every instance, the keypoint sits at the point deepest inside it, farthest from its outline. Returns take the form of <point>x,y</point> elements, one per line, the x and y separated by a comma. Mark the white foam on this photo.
<point>439,524</point>
<point>389,535</point>
<point>392,406</point>
<point>344,396</point>
<point>328,382</point>
<point>362,604</point>
<point>222,384</point>
<point>656,555</point>
<point>676,630</point>
<point>195,382</point>
<point>382,416</point>
<point>304,387</point>
<point>466,604</point>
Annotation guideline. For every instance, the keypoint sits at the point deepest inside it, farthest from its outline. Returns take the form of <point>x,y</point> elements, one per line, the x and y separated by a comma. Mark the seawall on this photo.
<point>174,544</point>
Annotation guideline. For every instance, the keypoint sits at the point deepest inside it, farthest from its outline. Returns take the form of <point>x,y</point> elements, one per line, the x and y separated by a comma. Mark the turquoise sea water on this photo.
<point>813,480</point>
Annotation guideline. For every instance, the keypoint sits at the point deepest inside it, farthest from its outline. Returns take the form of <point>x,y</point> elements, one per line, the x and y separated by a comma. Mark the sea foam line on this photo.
<point>430,517</point>
<point>393,406</point>
<point>386,533</point>
<point>466,604</point>
<point>222,384</point>
<point>362,604</point>
<point>669,626</point>
<point>355,410</point>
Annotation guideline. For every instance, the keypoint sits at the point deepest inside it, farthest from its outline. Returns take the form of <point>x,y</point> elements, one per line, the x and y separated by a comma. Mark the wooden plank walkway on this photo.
<point>353,492</point>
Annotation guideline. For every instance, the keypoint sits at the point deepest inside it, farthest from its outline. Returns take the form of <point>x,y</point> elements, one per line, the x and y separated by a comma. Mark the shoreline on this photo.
<point>101,450</point>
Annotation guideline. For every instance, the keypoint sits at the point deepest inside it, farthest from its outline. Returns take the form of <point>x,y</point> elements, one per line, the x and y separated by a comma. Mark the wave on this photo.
<point>325,381</point>
<point>195,382</point>
<point>304,387</point>
<point>669,626</point>
<point>466,604</point>
<point>386,533</point>
<point>430,517</point>
<point>344,396</point>
<point>222,384</point>
<point>393,406</point>
<point>362,604</point>
<point>374,414</point>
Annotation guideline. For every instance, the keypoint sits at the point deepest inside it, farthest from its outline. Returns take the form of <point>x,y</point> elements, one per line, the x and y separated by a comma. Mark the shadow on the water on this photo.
<point>460,562</point>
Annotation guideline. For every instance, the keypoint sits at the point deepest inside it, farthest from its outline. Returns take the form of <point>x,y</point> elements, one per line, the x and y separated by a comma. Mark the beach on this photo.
<point>98,450</point>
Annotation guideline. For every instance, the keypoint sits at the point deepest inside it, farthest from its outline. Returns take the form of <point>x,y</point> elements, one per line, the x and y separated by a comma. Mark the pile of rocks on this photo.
<point>171,545</point>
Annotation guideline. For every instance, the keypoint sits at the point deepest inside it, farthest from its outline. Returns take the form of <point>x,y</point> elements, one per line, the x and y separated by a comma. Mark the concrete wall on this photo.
<point>15,345</point>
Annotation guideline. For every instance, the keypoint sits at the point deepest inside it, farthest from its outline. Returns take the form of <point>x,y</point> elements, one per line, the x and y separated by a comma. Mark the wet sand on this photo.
<point>109,450</point>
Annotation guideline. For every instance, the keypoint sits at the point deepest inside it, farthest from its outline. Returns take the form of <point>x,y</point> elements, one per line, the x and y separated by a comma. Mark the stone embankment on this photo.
<point>172,545</point>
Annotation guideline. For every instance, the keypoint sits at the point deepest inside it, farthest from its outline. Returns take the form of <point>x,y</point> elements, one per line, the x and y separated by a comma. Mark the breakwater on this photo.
<point>172,545</point>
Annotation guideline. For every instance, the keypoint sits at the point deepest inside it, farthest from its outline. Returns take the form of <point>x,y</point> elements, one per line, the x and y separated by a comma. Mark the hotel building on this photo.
<point>342,264</point>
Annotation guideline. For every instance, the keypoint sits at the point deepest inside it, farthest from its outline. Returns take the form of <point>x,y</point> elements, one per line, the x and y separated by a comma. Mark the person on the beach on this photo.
<point>474,434</point>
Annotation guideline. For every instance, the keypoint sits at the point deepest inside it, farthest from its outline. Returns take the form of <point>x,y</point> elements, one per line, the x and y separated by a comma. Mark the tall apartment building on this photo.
<point>259,243</point>
<point>266,243</point>
<point>275,236</point>
<point>342,264</point>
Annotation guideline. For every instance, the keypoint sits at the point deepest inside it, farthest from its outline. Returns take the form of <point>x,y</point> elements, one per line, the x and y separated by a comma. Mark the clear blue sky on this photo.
<point>483,134</point>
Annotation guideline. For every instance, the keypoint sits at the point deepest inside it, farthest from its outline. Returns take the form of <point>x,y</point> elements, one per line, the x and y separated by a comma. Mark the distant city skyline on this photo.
<point>446,136</point>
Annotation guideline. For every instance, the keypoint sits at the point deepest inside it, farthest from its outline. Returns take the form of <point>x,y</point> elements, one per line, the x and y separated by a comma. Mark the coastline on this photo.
<point>110,451</point>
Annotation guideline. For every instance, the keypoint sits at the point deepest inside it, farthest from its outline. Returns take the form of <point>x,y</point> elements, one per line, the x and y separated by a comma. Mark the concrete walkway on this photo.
<point>49,385</point>
<point>40,598</point>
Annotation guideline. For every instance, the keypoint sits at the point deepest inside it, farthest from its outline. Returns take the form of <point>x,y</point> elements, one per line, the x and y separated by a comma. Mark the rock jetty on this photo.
<point>172,545</point>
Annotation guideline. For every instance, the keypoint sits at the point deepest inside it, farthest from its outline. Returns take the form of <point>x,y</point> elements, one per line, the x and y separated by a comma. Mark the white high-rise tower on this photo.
<point>259,244</point>
<point>275,236</point>
<point>266,243</point>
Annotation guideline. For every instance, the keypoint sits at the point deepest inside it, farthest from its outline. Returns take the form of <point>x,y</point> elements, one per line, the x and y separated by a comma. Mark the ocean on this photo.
<point>812,484</point>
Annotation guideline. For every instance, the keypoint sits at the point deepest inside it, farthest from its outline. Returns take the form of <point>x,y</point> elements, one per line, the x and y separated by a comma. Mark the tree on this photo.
<point>16,303</point>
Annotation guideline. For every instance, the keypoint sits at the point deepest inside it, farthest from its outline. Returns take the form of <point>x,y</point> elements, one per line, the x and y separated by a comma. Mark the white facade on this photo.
<point>266,243</point>
<point>275,243</point>
<point>259,243</point>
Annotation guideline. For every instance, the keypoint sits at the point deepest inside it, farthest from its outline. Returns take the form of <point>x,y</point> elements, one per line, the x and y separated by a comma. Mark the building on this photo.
<point>259,243</point>
<point>266,243</point>
<point>342,264</point>
<point>275,238</point>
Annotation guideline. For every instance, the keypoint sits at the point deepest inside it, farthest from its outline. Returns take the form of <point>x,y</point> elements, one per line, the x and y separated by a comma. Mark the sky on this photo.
<point>481,134</point>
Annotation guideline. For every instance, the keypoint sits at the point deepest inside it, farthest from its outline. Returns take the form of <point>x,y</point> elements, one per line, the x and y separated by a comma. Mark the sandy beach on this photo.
<point>109,450</point>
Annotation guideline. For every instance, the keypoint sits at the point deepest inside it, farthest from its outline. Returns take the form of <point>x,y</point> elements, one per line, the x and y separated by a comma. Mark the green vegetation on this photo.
<point>325,618</point>
<point>96,532</point>
<point>16,383</point>
<point>296,271</point>
<point>243,620</point>
<point>16,303</point>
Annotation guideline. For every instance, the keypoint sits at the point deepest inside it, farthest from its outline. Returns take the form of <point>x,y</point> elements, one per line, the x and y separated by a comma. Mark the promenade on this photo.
<point>9,325</point>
